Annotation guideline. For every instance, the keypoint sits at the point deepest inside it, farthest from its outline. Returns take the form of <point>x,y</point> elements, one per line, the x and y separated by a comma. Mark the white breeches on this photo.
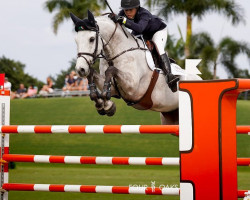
<point>160,39</point>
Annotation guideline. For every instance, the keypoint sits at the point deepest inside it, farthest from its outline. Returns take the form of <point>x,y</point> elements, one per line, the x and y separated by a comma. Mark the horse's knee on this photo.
<point>111,71</point>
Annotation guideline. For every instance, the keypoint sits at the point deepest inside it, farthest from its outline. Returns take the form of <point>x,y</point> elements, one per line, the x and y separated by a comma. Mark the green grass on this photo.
<point>81,111</point>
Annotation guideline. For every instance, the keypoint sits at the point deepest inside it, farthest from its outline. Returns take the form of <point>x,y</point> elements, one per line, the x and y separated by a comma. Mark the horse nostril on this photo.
<point>82,71</point>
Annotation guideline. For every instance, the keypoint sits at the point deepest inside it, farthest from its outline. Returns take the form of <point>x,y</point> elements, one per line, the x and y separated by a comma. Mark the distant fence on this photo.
<point>61,93</point>
<point>245,95</point>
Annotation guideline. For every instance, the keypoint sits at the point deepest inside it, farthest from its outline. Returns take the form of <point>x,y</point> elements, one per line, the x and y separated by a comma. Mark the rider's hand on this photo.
<point>117,18</point>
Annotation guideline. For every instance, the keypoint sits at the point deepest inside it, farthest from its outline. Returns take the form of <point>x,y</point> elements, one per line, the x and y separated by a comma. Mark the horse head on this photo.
<point>89,44</point>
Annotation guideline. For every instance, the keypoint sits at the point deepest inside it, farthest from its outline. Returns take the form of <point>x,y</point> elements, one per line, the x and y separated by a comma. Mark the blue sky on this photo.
<point>26,35</point>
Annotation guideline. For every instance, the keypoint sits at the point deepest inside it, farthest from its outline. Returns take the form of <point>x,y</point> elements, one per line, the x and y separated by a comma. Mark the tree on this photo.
<point>14,70</point>
<point>175,48</point>
<point>213,55</point>
<point>78,7</point>
<point>222,54</point>
<point>197,9</point>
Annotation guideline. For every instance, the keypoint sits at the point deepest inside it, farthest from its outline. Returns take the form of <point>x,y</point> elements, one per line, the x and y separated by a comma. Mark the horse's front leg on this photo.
<point>109,106</point>
<point>109,73</point>
<point>94,94</point>
<point>103,106</point>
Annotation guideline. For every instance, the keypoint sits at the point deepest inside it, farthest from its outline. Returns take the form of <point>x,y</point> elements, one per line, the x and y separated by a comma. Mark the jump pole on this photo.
<point>105,129</point>
<point>98,160</point>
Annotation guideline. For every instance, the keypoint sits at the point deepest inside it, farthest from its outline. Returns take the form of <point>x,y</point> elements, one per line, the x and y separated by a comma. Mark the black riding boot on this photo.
<point>170,78</point>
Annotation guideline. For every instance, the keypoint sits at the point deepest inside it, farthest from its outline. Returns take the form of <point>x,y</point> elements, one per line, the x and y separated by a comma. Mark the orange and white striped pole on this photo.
<point>105,129</point>
<point>99,189</point>
<point>92,189</point>
<point>99,160</point>
<point>84,129</point>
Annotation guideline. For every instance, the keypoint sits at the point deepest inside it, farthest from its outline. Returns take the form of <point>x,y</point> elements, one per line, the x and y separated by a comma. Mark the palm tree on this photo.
<point>197,8</point>
<point>213,55</point>
<point>78,7</point>
<point>175,48</point>
<point>223,54</point>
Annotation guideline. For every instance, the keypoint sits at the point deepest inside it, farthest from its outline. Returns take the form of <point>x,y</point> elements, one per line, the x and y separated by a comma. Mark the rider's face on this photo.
<point>130,13</point>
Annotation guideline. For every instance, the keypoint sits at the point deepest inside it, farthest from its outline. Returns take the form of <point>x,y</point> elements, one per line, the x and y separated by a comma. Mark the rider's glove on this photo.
<point>117,18</point>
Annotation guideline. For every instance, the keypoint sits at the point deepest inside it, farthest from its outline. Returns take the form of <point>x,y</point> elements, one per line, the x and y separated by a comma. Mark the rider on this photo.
<point>141,21</point>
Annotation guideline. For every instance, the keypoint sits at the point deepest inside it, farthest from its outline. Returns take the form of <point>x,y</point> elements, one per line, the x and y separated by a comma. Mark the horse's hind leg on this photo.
<point>170,118</point>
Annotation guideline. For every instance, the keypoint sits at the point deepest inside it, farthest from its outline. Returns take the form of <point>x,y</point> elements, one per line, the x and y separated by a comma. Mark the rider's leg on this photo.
<point>160,39</point>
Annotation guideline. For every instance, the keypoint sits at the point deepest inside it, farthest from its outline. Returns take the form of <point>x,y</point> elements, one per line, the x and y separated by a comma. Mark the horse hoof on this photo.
<point>111,111</point>
<point>101,112</point>
<point>99,106</point>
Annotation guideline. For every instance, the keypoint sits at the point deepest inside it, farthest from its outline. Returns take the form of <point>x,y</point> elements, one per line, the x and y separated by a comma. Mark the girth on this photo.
<point>145,102</point>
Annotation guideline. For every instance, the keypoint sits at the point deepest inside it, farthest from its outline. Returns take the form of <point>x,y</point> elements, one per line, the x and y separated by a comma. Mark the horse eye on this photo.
<point>92,39</point>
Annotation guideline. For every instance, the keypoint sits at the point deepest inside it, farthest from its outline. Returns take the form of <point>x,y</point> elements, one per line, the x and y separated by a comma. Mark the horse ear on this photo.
<point>74,18</point>
<point>91,17</point>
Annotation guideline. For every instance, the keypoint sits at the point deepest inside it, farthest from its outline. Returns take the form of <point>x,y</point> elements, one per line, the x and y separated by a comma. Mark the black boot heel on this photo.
<point>172,82</point>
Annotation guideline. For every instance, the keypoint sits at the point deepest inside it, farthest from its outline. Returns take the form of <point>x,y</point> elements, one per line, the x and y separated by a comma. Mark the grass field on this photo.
<point>72,111</point>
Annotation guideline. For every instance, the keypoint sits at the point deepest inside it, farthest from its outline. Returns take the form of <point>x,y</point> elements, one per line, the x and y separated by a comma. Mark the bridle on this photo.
<point>96,56</point>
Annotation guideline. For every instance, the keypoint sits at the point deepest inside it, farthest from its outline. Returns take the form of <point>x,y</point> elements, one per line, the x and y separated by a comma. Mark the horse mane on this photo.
<point>106,19</point>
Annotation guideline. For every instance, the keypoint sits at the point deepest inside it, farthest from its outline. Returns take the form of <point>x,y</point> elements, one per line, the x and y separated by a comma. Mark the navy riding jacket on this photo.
<point>144,23</point>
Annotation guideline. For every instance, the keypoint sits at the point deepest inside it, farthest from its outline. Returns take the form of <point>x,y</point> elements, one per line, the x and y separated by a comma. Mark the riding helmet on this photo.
<point>129,4</point>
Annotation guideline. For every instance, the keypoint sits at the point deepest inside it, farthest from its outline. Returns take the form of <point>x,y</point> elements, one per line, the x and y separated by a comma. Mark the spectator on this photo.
<point>66,80</point>
<point>82,83</point>
<point>71,83</point>
<point>48,88</point>
<point>79,83</point>
<point>21,91</point>
<point>7,84</point>
<point>32,91</point>
<point>85,84</point>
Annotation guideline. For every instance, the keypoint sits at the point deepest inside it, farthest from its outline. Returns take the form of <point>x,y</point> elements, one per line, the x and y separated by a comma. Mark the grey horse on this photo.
<point>124,70</point>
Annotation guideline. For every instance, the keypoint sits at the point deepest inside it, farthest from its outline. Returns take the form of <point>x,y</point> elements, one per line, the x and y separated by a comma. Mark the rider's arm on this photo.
<point>140,26</point>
